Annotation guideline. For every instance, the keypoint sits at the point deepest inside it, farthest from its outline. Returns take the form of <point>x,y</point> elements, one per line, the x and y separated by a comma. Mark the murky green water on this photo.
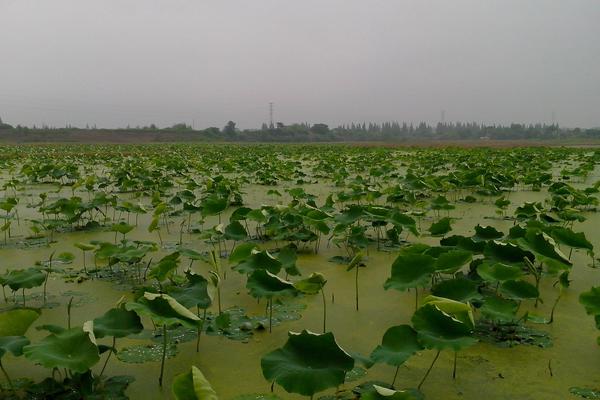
<point>485,371</point>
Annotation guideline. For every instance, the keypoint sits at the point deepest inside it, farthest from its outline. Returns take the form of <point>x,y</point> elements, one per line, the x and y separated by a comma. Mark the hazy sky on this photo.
<point>119,62</point>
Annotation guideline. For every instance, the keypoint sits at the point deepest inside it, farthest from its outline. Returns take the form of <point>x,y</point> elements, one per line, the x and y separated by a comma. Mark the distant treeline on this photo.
<point>303,132</point>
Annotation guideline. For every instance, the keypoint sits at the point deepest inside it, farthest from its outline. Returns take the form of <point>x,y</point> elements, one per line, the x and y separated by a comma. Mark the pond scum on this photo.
<point>322,272</point>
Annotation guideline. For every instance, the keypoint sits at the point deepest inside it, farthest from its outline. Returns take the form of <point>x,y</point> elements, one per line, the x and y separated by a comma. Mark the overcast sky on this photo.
<point>123,62</point>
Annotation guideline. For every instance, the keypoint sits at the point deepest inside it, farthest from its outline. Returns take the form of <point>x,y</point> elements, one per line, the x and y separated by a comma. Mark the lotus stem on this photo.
<point>164,355</point>
<point>395,375</point>
<point>429,370</point>
<point>356,286</point>
<point>554,307</point>
<point>200,328</point>
<point>69,312</point>
<point>270,315</point>
<point>416,298</point>
<point>84,266</point>
<point>324,311</point>
<point>114,344</point>
<point>454,367</point>
<point>6,376</point>
<point>23,291</point>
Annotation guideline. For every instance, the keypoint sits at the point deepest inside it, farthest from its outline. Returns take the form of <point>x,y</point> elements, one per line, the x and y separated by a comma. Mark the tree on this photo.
<point>320,129</point>
<point>229,129</point>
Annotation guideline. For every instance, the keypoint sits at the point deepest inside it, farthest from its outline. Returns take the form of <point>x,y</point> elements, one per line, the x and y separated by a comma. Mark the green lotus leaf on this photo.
<point>14,344</point>
<point>465,243</point>
<point>122,228</point>
<point>591,301</point>
<point>84,246</point>
<point>262,283</point>
<point>311,285</point>
<point>72,349</point>
<point>458,289</point>
<point>568,237</point>
<point>235,231</point>
<point>287,256</point>
<point>453,260</point>
<point>259,260</point>
<point>191,254</point>
<point>410,270</point>
<point>24,278</point>
<point>241,252</point>
<point>194,294</point>
<point>16,322</point>
<point>456,309</point>
<point>519,290</point>
<point>398,345</point>
<point>163,310</point>
<point>487,232</point>
<point>542,244</point>
<point>165,267</point>
<point>118,323</point>
<point>307,364</point>
<point>214,205</point>
<point>498,272</point>
<point>439,330</point>
<point>506,252</point>
<point>192,385</point>
<point>440,227</point>
<point>498,309</point>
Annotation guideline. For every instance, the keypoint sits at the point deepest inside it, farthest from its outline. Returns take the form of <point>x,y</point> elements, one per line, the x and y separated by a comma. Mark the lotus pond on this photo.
<point>289,272</point>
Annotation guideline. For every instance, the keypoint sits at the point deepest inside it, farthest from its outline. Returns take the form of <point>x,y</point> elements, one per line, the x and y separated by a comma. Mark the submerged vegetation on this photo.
<point>222,246</point>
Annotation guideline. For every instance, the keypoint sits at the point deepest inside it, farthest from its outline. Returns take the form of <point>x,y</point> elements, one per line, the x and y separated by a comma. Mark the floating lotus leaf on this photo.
<point>398,345</point>
<point>453,260</point>
<point>72,349</point>
<point>439,330</point>
<point>193,385</point>
<point>498,272</point>
<point>262,283</point>
<point>311,285</point>
<point>307,364</point>
<point>16,322</point>
<point>118,323</point>
<point>410,270</point>
<point>163,310</point>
